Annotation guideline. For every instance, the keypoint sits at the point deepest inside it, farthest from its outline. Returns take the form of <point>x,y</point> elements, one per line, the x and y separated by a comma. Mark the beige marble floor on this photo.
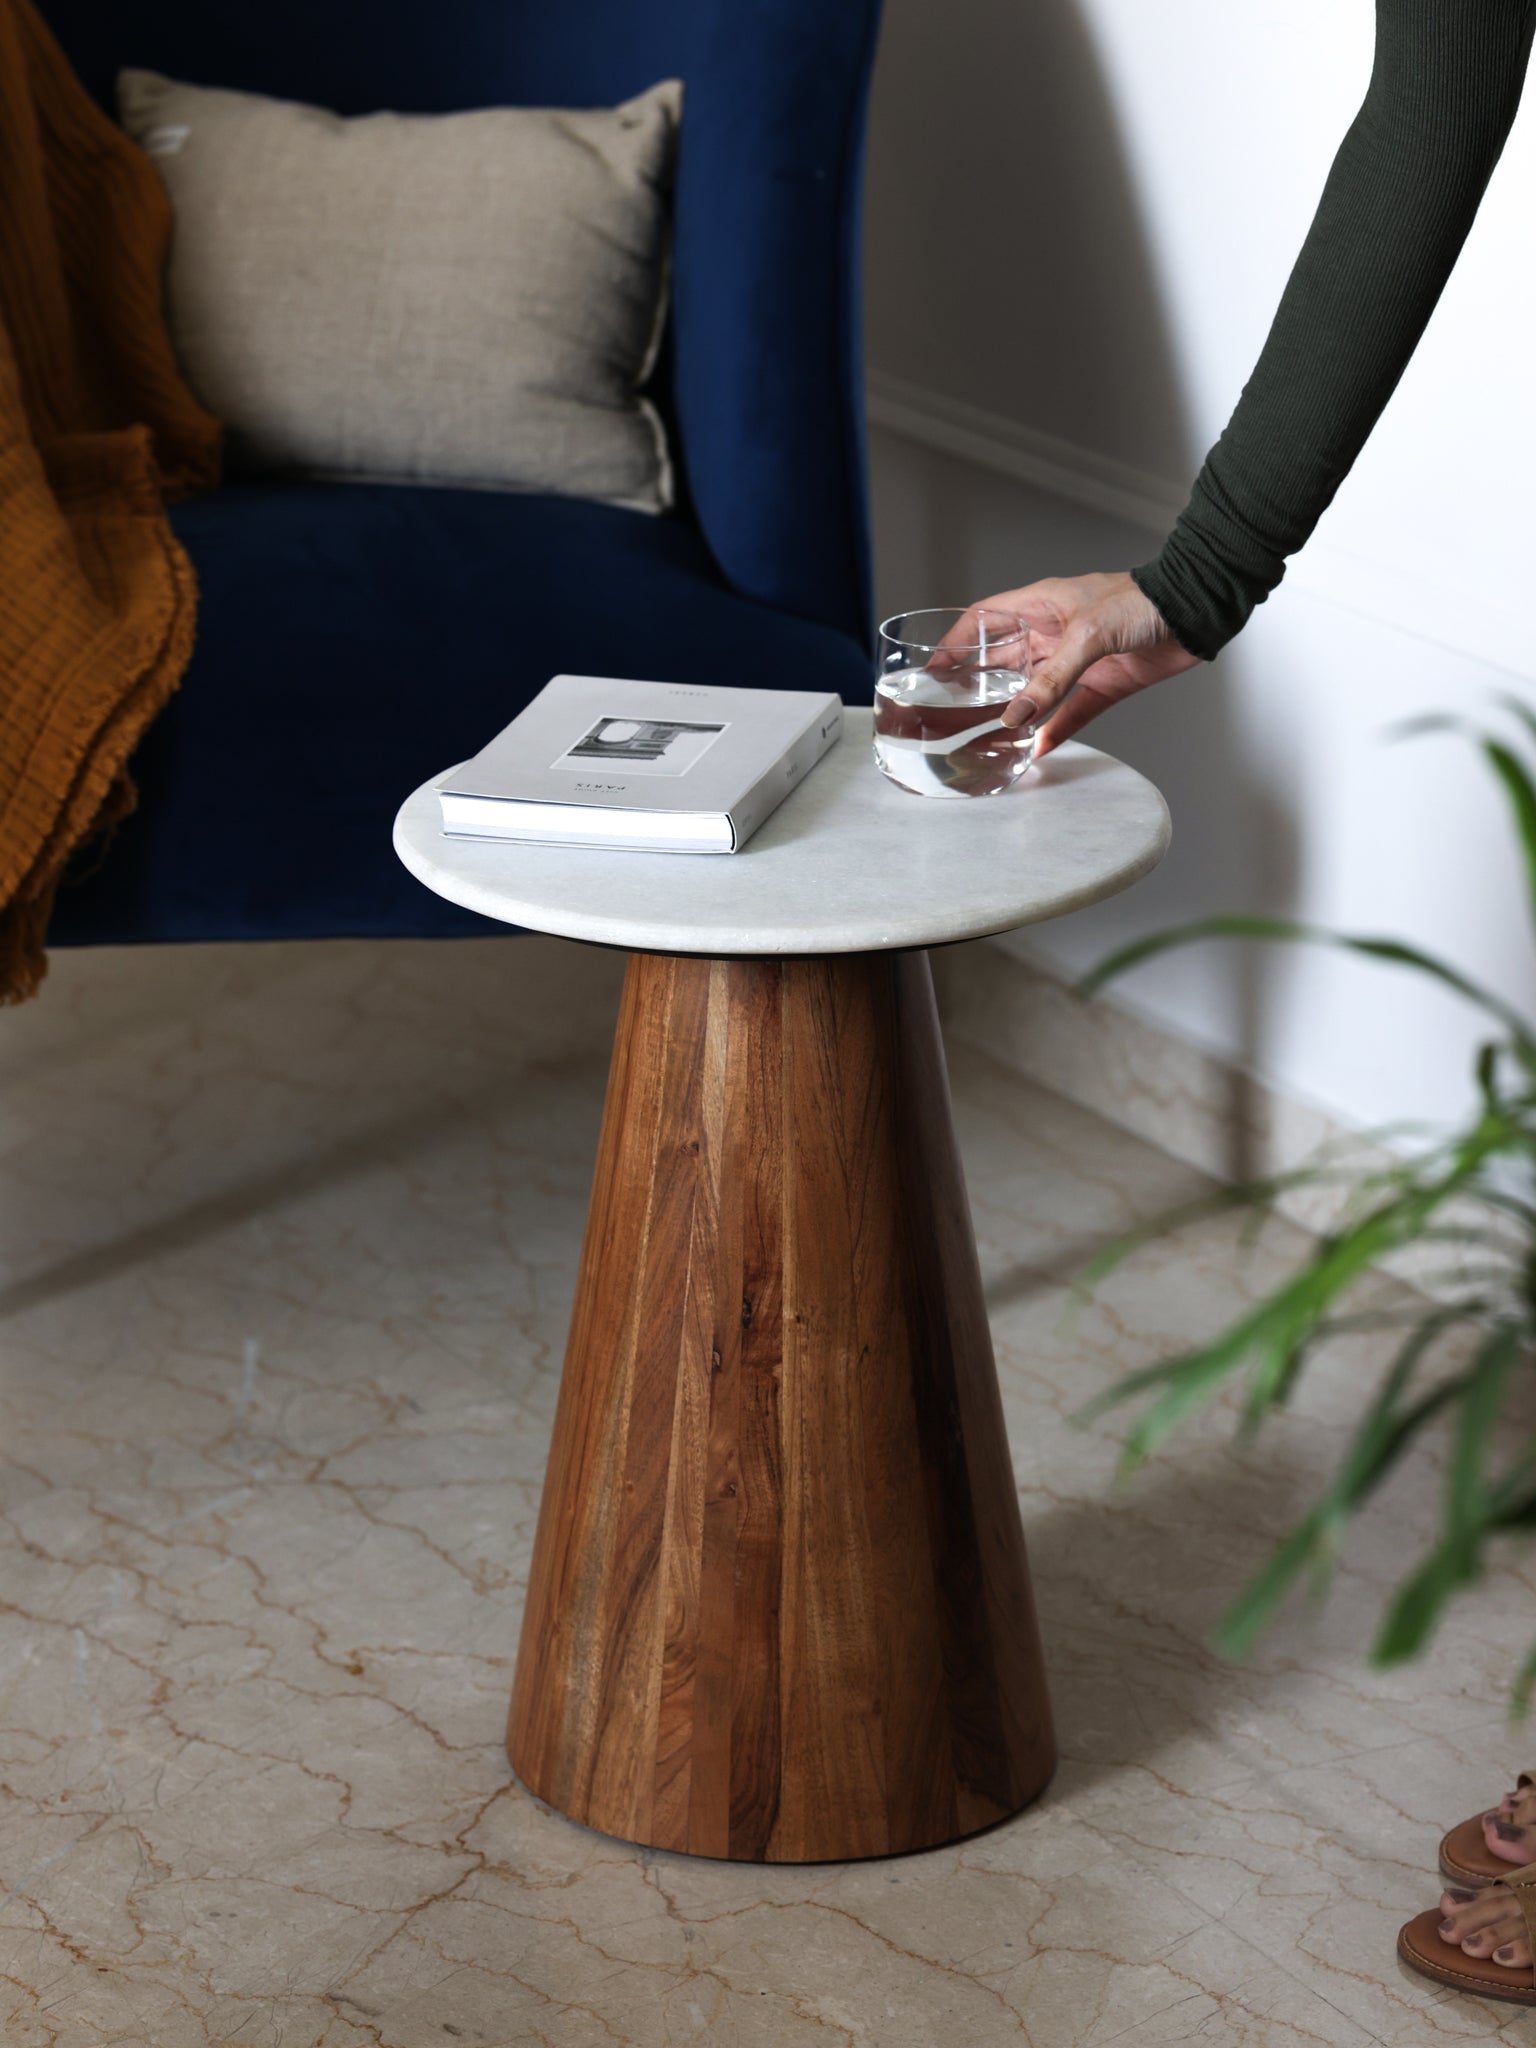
<point>289,1235</point>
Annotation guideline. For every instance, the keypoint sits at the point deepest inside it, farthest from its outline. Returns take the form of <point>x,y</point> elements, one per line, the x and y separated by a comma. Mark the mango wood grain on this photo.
<point>779,1608</point>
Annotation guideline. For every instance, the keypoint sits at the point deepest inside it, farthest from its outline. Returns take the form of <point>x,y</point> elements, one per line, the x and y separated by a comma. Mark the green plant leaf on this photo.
<point>1520,1697</point>
<point>1518,708</point>
<point>1487,1075</point>
<point>1521,793</point>
<point>1383,1206</point>
<point>1468,1492</point>
<point>1416,1607</point>
<point>1453,721</point>
<point>1256,1606</point>
<point>1279,1329</point>
<point>1454,1560</point>
<point>1506,764</point>
<point>1377,1443</point>
<point>1393,952</point>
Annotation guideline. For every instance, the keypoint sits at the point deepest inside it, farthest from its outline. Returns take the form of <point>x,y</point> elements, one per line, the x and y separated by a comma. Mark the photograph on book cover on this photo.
<point>644,746</point>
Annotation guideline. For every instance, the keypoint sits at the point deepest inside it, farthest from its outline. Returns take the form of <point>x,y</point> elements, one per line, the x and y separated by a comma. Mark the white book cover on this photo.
<point>668,767</point>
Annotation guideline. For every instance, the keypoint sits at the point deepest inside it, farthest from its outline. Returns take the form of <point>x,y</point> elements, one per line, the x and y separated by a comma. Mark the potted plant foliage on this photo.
<point>1457,1361</point>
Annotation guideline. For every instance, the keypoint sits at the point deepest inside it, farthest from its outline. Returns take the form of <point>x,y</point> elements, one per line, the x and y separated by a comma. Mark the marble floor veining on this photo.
<point>288,1239</point>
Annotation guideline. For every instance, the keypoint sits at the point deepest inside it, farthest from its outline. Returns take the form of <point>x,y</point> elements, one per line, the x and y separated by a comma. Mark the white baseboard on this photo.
<point>1371,589</point>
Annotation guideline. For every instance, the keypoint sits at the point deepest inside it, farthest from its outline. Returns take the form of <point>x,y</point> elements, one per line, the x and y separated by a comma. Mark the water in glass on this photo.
<point>943,735</point>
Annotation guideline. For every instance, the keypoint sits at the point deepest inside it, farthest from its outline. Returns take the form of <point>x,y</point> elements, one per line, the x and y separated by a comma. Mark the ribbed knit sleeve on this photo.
<point>1395,211</point>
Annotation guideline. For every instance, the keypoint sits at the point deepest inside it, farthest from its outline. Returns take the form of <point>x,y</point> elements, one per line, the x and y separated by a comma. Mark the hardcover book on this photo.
<point>667,767</point>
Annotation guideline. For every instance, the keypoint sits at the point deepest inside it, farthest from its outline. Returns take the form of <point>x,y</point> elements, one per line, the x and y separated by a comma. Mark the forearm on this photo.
<point>1396,209</point>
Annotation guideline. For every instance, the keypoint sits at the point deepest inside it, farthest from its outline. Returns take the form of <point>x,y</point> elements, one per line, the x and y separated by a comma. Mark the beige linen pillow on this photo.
<point>433,298</point>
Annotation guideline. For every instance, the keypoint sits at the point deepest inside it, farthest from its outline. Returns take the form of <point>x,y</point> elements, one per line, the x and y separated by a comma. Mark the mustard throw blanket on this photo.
<point>97,429</point>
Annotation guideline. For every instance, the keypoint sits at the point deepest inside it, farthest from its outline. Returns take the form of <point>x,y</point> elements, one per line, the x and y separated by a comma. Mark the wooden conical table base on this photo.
<point>779,1606</point>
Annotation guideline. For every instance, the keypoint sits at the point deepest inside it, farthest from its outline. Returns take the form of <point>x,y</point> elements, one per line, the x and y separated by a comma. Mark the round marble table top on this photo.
<point>848,864</point>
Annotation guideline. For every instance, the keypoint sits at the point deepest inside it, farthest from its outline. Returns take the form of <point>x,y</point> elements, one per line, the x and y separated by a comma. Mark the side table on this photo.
<point>779,1608</point>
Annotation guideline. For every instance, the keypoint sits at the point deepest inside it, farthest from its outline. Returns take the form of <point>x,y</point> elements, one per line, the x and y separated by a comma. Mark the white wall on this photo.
<point>1081,214</point>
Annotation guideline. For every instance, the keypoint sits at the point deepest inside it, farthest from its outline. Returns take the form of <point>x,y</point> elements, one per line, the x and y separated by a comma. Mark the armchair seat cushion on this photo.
<point>355,638</point>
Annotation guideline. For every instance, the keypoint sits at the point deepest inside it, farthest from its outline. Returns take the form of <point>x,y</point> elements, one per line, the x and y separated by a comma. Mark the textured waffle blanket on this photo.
<point>97,432</point>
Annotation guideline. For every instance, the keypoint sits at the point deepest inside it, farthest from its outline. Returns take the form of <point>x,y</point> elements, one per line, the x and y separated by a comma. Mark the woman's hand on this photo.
<point>1098,632</point>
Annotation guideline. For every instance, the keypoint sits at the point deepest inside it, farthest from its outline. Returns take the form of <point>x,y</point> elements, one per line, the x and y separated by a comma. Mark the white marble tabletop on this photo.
<point>848,864</point>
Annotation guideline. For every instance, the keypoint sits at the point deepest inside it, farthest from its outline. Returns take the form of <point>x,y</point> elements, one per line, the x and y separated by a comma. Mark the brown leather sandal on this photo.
<point>1466,1859</point>
<point>1423,1948</point>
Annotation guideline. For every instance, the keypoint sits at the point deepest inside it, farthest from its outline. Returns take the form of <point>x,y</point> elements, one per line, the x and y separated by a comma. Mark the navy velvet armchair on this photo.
<point>354,637</point>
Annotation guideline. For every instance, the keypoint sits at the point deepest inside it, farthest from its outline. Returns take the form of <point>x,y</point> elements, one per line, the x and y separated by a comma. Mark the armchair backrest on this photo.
<point>764,363</point>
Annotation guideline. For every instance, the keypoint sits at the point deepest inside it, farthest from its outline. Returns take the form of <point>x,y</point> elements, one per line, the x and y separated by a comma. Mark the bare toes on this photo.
<point>1516,1954</point>
<point>1508,1839</point>
<point>1496,1921</point>
<point>1486,1921</point>
<point>1484,1942</point>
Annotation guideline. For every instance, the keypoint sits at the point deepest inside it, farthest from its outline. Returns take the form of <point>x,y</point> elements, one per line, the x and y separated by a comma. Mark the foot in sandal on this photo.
<point>1483,1846</point>
<point>1486,1923</point>
<point>1510,1830</point>
<point>1479,1939</point>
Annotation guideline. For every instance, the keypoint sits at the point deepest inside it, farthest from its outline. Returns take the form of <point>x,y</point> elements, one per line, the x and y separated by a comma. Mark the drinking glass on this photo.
<point>944,677</point>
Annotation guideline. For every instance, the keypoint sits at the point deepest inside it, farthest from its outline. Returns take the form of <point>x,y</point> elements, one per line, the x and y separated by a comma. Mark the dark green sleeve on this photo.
<point>1395,211</point>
